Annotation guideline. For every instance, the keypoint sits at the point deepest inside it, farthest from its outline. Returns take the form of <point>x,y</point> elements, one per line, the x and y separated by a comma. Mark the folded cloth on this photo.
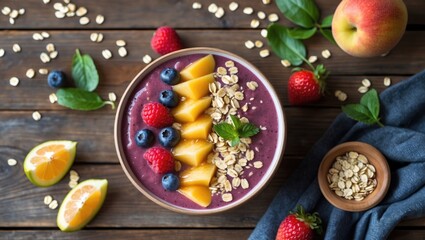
<point>401,141</point>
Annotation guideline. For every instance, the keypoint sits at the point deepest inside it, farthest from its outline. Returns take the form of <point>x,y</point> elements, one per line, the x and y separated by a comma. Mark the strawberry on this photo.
<point>159,159</point>
<point>299,226</point>
<point>305,86</point>
<point>156,115</point>
<point>165,40</point>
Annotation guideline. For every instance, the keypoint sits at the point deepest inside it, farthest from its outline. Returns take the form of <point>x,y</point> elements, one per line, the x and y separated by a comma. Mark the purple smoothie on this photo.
<point>148,91</point>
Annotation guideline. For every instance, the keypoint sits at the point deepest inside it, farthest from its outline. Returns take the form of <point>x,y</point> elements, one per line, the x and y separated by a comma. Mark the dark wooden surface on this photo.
<point>127,214</point>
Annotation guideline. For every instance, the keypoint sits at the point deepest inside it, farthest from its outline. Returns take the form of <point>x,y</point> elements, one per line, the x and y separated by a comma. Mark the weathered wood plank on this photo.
<point>124,205</point>
<point>115,74</point>
<point>128,14</point>
<point>189,234</point>
<point>94,130</point>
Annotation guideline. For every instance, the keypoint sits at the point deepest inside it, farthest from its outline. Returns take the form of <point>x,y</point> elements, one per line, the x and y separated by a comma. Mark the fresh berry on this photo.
<point>56,79</point>
<point>169,98</point>
<point>170,182</point>
<point>165,40</point>
<point>299,226</point>
<point>159,159</point>
<point>305,86</point>
<point>170,76</point>
<point>144,138</point>
<point>169,137</point>
<point>156,115</point>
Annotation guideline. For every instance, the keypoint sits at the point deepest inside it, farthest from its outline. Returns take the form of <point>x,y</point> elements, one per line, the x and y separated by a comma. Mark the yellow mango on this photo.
<point>200,175</point>
<point>200,195</point>
<point>195,88</point>
<point>199,68</point>
<point>189,110</point>
<point>192,152</point>
<point>198,129</point>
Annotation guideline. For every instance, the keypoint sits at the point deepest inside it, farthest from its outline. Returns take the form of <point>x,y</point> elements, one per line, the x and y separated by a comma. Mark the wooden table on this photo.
<point>127,214</point>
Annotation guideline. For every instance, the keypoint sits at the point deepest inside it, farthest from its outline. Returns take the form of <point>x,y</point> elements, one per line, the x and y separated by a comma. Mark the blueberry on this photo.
<point>169,137</point>
<point>169,98</point>
<point>170,182</point>
<point>144,138</point>
<point>170,76</point>
<point>56,79</point>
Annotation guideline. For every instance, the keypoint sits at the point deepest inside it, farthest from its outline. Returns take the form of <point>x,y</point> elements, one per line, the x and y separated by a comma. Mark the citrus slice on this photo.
<point>47,163</point>
<point>81,204</point>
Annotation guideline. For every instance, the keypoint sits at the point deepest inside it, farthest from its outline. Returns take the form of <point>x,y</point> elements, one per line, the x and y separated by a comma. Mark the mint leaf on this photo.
<point>234,132</point>
<point>371,101</point>
<point>285,46</point>
<point>327,33</point>
<point>78,99</point>
<point>236,121</point>
<point>367,111</point>
<point>302,33</point>
<point>248,130</point>
<point>84,72</point>
<point>301,12</point>
<point>359,113</point>
<point>327,21</point>
<point>225,130</point>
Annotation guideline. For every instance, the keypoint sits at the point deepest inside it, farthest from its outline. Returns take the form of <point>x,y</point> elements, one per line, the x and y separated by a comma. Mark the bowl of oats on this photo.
<point>200,131</point>
<point>354,176</point>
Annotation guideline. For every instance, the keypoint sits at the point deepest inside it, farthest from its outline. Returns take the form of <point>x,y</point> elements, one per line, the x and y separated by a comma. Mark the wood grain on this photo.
<point>139,14</point>
<point>346,72</point>
<point>94,131</point>
<point>124,205</point>
<point>189,234</point>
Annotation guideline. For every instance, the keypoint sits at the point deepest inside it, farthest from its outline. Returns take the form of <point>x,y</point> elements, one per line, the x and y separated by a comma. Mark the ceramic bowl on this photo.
<point>270,141</point>
<point>382,175</point>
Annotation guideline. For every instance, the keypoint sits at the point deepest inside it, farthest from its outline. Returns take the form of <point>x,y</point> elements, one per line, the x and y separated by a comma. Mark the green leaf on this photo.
<point>236,121</point>
<point>248,130</point>
<point>359,113</point>
<point>78,99</point>
<point>235,141</point>
<point>225,130</point>
<point>371,101</point>
<point>302,33</point>
<point>327,21</point>
<point>301,12</point>
<point>285,46</point>
<point>84,72</point>
<point>327,33</point>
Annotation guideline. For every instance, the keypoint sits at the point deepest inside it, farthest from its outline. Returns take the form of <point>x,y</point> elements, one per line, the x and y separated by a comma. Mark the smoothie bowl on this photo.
<point>200,131</point>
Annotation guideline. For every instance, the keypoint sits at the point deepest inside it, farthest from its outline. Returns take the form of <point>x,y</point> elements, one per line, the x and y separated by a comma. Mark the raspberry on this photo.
<point>156,115</point>
<point>159,159</point>
<point>165,40</point>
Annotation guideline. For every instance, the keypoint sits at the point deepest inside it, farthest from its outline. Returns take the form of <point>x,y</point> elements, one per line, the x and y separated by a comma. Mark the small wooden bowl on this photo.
<point>382,176</point>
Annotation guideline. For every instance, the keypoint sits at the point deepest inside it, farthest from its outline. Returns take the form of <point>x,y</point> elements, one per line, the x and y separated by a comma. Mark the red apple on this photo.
<point>369,28</point>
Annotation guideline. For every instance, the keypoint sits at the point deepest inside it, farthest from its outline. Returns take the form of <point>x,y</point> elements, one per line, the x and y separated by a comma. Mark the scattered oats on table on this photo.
<point>326,53</point>
<point>363,89</point>
<point>387,81</point>
<point>147,59</point>
<point>122,51</point>
<point>249,44</point>
<point>2,52</point>
<point>14,81</point>
<point>366,82</point>
<point>248,10</point>
<point>11,162</point>
<point>84,20</point>
<point>273,17</point>
<point>16,48</point>
<point>312,59</point>
<point>196,5</point>
<point>36,115</point>
<point>107,54</point>
<point>120,43</point>
<point>219,13</point>
<point>47,199</point>
<point>255,23</point>
<point>261,15</point>
<point>263,33</point>
<point>264,53</point>
<point>233,6</point>
<point>100,19</point>
<point>30,73</point>
<point>212,8</point>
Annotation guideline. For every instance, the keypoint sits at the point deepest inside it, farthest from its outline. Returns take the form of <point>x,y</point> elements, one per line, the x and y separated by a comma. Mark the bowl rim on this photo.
<point>281,135</point>
<point>379,162</point>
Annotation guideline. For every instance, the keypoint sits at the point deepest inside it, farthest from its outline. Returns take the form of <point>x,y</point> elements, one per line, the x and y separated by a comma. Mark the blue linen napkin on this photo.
<point>401,141</point>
